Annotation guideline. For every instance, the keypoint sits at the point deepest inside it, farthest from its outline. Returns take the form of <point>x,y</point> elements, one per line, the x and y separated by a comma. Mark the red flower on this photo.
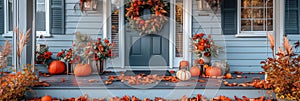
<point>99,39</point>
<point>47,55</point>
<point>207,54</point>
<point>59,54</point>
<point>201,34</point>
<point>95,57</point>
<point>106,41</point>
<point>77,59</point>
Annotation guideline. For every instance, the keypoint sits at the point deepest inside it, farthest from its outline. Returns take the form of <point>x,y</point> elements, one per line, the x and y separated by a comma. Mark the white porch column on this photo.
<point>279,22</point>
<point>187,28</point>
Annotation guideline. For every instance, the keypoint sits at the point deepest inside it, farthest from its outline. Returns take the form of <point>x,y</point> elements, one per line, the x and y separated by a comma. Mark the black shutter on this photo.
<point>1,16</point>
<point>57,17</point>
<point>291,17</point>
<point>229,17</point>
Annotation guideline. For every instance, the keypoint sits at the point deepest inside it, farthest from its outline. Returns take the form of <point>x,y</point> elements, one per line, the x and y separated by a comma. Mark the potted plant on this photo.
<point>102,51</point>
<point>83,50</point>
<point>67,57</point>
<point>204,47</point>
<point>283,71</point>
<point>42,59</point>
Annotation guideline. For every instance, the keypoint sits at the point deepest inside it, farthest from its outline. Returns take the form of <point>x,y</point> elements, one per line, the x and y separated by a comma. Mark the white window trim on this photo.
<point>8,33</point>
<point>249,34</point>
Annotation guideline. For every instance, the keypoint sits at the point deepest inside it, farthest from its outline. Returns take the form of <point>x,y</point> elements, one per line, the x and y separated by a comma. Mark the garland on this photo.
<point>151,25</point>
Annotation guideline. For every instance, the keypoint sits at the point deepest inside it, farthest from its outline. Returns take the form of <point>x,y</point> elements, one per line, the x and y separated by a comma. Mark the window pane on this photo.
<point>270,13</point>
<point>246,25</point>
<point>269,3</point>
<point>246,3</point>
<point>246,13</point>
<point>254,15</point>
<point>257,3</point>
<point>10,15</point>
<point>269,25</point>
<point>258,25</point>
<point>179,28</point>
<point>258,13</point>
<point>40,15</point>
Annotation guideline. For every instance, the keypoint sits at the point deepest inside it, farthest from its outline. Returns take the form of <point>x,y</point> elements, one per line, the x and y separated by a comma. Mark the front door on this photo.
<point>147,50</point>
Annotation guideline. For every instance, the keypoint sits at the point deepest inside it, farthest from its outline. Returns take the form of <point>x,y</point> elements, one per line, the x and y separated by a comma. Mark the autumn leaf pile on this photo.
<point>14,86</point>
<point>283,70</point>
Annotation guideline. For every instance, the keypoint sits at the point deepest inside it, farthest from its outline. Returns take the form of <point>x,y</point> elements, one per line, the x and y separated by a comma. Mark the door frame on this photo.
<point>119,62</point>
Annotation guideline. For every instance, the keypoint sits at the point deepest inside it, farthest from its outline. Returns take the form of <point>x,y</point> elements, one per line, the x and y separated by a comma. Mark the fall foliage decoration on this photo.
<point>282,70</point>
<point>82,70</point>
<point>102,49</point>
<point>158,17</point>
<point>14,86</point>
<point>43,56</point>
<point>66,56</point>
<point>5,51</point>
<point>205,45</point>
<point>56,67</point>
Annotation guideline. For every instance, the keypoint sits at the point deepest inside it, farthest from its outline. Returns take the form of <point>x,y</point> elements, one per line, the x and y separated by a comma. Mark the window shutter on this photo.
<point>292,17</point>
<point>57,17</point>
<point>229,17</point>
<point>1,16</point>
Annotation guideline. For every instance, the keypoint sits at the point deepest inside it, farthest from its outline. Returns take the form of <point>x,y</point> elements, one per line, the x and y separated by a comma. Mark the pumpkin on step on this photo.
<point>46,98</point>
<point>183,74</point>
<point>183,63</point>
<point>213,71</point>
<point>56,67</point>
<point>195,71</point>
<point>82,70</point>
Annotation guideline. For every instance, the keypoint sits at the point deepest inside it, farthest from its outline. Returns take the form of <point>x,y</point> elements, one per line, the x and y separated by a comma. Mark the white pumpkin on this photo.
<point>183,75</point>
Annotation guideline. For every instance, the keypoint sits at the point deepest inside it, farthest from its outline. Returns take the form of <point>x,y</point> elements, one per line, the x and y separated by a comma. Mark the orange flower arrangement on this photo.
<point>201,44</point>
<point>102,49</point>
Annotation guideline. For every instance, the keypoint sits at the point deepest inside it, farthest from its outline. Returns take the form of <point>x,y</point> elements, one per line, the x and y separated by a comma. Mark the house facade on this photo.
<point>240,26</point>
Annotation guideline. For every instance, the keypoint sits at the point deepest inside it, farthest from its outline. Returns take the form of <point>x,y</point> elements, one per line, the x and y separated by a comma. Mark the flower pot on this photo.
<point>70,68</point>
<point>42,68</point>
<point>206,59</point>
<point>100,66</point>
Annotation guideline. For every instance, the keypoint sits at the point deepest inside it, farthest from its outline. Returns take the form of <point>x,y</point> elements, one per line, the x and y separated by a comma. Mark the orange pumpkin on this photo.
<point>183,63</point>
<point>213,71</point>
<point>195,71</point>
<point>56,67</point>
<point>46,98</point>
<point>228,76</point>
<point>82,70</point>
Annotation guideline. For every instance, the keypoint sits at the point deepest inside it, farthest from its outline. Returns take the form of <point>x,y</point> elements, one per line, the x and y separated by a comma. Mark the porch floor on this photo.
<point>70,81</point>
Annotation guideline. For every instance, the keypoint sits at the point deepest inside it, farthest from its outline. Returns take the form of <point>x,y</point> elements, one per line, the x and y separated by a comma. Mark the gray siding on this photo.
<point>89,22</point>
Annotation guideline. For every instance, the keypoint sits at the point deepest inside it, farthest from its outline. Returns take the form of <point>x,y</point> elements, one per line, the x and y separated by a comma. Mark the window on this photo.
<point>256,15</point>
<point>8,6</point>
<point>42,17</point>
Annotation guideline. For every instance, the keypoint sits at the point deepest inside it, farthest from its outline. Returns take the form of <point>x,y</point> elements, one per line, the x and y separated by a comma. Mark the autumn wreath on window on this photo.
<point>138,21</point>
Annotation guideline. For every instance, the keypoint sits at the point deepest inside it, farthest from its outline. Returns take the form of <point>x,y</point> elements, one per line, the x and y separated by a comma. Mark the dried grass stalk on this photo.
<point>6,50</point>
<point>272,42</point>
<point>22,41</point>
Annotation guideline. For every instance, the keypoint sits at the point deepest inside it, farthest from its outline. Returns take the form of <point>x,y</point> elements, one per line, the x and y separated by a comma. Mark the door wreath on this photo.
<point>151,25</point>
